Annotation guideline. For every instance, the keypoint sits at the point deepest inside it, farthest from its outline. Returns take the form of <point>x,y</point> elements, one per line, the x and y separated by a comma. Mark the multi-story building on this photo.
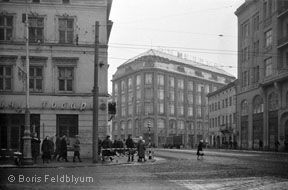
<point>262,97</point>
<point>61,56</point>
<point>167,91</point>
<point>222,112</point>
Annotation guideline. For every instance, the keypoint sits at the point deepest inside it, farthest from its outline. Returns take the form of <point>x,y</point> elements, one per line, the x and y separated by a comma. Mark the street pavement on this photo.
<point>169,170</point>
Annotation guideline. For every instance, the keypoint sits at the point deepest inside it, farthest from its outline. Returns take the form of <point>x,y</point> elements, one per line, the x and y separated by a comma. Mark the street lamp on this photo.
<point>27,156</point>
<point>149,145</point>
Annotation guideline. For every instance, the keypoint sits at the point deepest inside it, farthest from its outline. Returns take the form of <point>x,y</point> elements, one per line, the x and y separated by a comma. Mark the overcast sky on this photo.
<point>205,30</point>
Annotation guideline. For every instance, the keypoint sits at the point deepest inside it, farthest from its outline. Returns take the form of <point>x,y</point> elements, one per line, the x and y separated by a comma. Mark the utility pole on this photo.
<point>95,97</point>
<point>27,156</point>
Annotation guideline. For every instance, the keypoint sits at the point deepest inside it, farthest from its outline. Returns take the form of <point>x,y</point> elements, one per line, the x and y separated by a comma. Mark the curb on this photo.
<point>77,166</point>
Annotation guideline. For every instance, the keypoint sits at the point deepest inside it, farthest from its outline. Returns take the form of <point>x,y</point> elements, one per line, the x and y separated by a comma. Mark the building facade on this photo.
<point>168,92</point>
<point>61,56</point>
<point>222,113</point>
<point>262,97</point>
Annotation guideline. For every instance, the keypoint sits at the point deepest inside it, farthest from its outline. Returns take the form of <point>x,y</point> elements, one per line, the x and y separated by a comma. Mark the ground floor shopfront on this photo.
<point>263,118</point>
<point>64,116</point>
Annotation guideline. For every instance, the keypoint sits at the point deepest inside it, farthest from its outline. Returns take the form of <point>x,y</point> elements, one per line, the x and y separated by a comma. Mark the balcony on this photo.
<point>283,42</point>
<point>226,129</point>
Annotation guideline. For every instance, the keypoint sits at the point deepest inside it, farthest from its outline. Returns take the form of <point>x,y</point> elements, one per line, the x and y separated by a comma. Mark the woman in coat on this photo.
<point>141,148</point>
<point>200,150</point>
<point>46,150</point>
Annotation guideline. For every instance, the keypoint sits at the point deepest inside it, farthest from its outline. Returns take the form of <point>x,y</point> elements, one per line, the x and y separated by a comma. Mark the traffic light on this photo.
<point>112,108</point>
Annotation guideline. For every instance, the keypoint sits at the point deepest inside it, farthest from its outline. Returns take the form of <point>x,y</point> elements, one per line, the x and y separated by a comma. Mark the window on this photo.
<point>130,83</point>
<point>190,86</point>
<point>256,74</point>
<point>171,109</point>
<point>138,80</point>
<point>180,84</point>
<point>66,30</point>
<point>180,109</point>
<point>123,86</point>
<point>5,77</point>
<point>160,80</point>
<point>268,38</point>
<point>160,107</point>
<point>256,22</point>
<point>36,28</point>
<point>36,1</point>
<point>190,111</point>
<point>171,82</point>
<point>67,125</point>
<point>65,78</point>
<point>160,94</point>
<point>244,108</point>
<point>258,105</point>
<point>6,27</point>
<point>148,93</point>
<point>36,79</point>
<point>245,30</point>
<point>148,78</point>
<point>268,66</point>
<point>148,108</point>
<point>245,54</point>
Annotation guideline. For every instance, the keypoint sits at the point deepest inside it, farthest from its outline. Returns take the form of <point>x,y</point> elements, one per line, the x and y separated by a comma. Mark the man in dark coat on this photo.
<point>130,145</point>
<point>141,148</point>
<point>107,144</point>
<point>200,150</point>
<point>46,150</point>
<point>35,147</point>
<point>63,149</point>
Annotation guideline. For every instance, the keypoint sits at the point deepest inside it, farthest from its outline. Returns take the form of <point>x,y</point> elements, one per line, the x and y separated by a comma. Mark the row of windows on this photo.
<point>222,121</point>
<point>225,103</point>
<point>66,27</point>
<point>65,78</point>
<point>160,125</point>
<point>258,104</point>
<point>148,81</point>
<point>254,73</point>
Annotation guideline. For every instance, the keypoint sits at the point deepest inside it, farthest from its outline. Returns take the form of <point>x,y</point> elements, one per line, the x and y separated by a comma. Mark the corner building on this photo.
<point>167,91</point>
<point>262,97</point>
<point>61,54</point>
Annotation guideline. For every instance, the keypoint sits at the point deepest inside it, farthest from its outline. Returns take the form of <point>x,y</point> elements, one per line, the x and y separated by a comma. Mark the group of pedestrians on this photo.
<point>120,148</point>
<point>59,152</point>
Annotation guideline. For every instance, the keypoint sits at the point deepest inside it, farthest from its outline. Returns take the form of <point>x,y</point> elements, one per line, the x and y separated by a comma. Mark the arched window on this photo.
<point>258,105</point>
<point>244,108</point>
<point>273,100</point>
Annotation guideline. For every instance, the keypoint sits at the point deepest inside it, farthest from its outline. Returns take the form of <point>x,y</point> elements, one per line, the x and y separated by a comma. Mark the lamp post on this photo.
<point>27,156</point>
<point>149,145</point>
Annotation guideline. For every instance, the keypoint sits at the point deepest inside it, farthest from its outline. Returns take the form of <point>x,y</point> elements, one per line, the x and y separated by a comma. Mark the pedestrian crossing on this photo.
<point>244,183</point>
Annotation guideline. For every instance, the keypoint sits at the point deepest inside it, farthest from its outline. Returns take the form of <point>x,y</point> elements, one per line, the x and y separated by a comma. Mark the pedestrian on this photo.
<point>286,145</point>
<point>77,149</point>
<point>200,150</point>
<point>141,148</point>
<point>277,145</point>
<point>99,146</point>
<point>130,146</point>
<point>260,144</point>
<point>35,147</point>
<point>58,147</point>
<point>63,149</point>
<point>107,144</point>
<point>46,150</point>
<point>52,145</point>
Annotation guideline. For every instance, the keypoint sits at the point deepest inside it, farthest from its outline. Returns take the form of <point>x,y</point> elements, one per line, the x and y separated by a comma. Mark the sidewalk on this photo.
<point>86,162</point>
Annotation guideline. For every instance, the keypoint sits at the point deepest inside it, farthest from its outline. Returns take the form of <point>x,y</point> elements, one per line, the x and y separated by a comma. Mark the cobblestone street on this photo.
<point>173,169</point>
